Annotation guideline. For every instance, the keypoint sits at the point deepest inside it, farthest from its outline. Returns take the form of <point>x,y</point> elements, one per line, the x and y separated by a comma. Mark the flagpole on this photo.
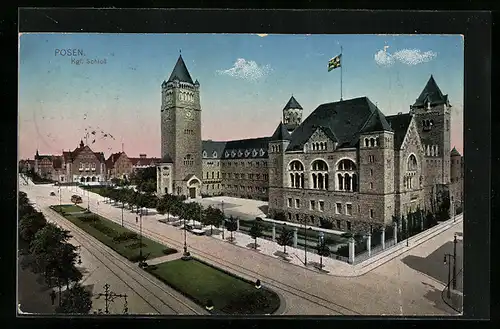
<point>341,67</point>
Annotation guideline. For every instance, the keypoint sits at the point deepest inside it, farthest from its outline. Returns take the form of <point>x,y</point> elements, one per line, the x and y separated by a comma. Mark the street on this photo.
<point>393,288</point>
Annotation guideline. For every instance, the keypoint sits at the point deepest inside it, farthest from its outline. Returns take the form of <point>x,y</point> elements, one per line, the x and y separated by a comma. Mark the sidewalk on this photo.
<point>163,259</point>
<point>332,267</point>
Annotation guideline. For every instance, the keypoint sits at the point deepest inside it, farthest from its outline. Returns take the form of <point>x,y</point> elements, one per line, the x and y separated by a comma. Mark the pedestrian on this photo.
<point>136,219</point>
<point>53,297</point>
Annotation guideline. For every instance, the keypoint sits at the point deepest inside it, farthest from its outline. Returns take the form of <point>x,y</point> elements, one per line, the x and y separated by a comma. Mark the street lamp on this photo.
<point>305,240</point>
<point>122,214</point>
<point>447,260</point>
<point>223,219</point>
<point>140,232</point>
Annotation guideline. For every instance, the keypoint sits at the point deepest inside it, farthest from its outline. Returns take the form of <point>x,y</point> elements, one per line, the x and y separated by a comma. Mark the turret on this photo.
<point>292,114</point>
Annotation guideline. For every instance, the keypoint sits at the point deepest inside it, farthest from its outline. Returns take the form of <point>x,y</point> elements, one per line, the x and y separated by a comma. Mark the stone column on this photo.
<point>274,232</point>
<point>295,230</point>
<point>351,250</point>
<point>395,234</point>
<point>383,237</point>
<point>369,244</point>
<point>238,225</point>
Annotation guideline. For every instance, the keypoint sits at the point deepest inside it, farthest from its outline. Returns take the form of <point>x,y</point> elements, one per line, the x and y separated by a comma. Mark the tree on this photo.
<point>285,238</point>
<point>232,225</point>
<point>256,231</point>
<point>280,216</point>
<point>213,217</point>
<point>76,300</point>
<point>30,224</point>
<point>323,250</point>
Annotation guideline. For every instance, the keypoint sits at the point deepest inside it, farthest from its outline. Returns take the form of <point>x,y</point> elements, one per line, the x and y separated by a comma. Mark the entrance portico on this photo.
<point>193,186</point>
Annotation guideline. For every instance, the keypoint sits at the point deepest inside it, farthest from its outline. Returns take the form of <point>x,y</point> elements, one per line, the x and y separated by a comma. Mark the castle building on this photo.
<point>346,163</point>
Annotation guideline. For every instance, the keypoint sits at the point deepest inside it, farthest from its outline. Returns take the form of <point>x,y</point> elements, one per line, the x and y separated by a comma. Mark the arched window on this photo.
<point>347,177</point>
<point>411,171</point>
<point>377,141</point>
<point>366,142</point>
<point>296,172</point>
<point>372,142</point>
<point>319,175</point>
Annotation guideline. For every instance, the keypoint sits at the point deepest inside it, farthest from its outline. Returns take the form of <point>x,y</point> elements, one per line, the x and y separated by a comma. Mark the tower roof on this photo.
<point>432,94</point>
<point>292,104</point>
<point>455,153</point>
<point>376,122</point>
<point>180,72</point>
<point>281,133</point>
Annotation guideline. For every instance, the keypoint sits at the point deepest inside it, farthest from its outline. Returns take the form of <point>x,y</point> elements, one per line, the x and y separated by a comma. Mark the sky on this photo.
<point>245,81</point>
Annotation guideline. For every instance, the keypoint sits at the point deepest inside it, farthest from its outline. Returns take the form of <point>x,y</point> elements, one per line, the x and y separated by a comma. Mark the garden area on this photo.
<point>120,239</point>
<point>210,286</point>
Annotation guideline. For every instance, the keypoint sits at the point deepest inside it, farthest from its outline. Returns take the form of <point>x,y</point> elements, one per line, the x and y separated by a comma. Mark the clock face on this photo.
<point>189,114</point>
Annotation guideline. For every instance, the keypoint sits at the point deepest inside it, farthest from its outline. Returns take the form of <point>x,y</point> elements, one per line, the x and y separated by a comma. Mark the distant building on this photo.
<point>118,165</point>
<point>83,165</point>
<point>143,162</point>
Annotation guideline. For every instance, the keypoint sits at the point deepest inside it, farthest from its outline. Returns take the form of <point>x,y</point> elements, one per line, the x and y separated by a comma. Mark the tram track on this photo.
<point>110,259</point>
<point>240,270</point>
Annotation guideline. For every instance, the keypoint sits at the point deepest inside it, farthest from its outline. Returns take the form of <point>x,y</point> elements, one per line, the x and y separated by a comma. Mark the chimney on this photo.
<point>142,156</point>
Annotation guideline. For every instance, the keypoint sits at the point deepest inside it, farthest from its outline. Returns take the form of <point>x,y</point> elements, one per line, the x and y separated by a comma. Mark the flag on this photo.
<point>334,63</point>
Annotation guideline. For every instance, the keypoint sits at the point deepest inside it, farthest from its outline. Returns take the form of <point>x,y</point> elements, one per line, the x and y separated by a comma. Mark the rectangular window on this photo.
<point>289,216</point>
<point>338,223</point>
<point>348,225</point>
<point>371,158</point>
<point>348,209</point>
<point>289,202</point>
<point>297,217</point>
<point>321,205</point>
<point>312,204</point>
<point>371,172</point>
<point>297,203</point>
<point>371,186</point>
<point>338,208</point>
<point>371,213</point>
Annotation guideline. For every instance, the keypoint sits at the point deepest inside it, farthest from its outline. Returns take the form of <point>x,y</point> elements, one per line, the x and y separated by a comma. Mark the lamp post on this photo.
<point>60,203</point>
<point>455,261</point>
<point>109,297</point>
<point>185,236</point>
<point>122,214</point>
<point>407,235</point>
<point>223,219</point>
<point>452,209</point>
<point>447,261</point>
<point>140,232</point>
<point>88,199</point>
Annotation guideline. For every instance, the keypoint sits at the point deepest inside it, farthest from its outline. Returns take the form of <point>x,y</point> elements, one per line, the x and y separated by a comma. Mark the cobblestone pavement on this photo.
<point>393,288</point>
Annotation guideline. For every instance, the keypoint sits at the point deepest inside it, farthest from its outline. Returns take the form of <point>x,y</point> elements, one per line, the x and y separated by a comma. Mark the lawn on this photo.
<point>68,208</point>
<point>201,282</point>
<point>118,238</point>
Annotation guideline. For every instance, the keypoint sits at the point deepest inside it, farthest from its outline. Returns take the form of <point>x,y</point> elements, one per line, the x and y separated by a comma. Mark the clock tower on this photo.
<point>180,171</point>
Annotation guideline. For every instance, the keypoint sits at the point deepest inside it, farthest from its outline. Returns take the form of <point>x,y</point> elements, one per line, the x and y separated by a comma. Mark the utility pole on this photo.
<point>109,297</point>
<point>122,214</point>
<point>455,262</point>
<point>305,240</point>
<point>140,230</point>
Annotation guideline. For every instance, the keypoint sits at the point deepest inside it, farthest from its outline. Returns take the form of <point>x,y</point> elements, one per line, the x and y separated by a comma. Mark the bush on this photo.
<point>88,219</point>
<point>169,251</point>
<point>324,223</point>
<point>137,258</point>
<point>104,229</point>
<point>125,236</point>
<point>136,245</point>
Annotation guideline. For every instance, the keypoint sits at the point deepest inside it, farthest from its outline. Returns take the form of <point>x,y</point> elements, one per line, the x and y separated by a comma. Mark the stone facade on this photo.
<point>118,165</point>
<point>83,165</point>
<point>346,163</point>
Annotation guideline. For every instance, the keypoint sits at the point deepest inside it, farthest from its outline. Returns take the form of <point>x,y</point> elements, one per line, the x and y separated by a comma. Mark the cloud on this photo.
<point>262,35</point>
<point>245,69</point>
<point>405,56</point>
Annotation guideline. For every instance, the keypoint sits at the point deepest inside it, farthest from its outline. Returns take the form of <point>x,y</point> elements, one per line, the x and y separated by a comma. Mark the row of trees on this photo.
<point>46,250</point>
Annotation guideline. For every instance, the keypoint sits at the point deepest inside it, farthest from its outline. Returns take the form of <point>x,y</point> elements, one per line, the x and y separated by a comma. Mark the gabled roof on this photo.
<point>281,133</point>
<point>376,122</point>
<point>210,146</point>
<point>292,104</point>
<point>455,153</point>
<point>100,156</point>
<point>110,162</point>
<point>399,124</point>
<point>432,94</point>
<point>180,72</point>
<point>344,119</point>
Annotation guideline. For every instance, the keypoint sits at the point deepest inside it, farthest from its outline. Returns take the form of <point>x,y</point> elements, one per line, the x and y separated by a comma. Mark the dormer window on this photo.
<point>240,153</point>
<point>247,153</point>
<point>214,155</point>
<point>204,154</point>
<point>261,152</point>
<point>254,153</point>
<point>226,155</point>
<point>233,154</point>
